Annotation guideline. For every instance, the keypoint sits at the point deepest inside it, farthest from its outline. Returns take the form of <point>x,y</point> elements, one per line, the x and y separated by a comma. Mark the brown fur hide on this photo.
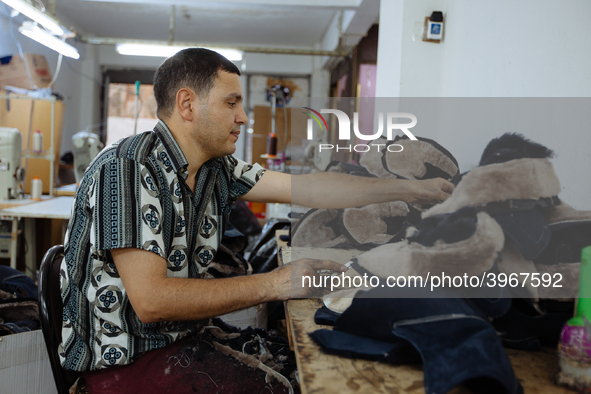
<point>471,256</point>
<point>372,160</point>
<point>521,179</point>
<point>410,163</point>
<point>312,230</point>
<point>366,224</point>
<point>564,213</point>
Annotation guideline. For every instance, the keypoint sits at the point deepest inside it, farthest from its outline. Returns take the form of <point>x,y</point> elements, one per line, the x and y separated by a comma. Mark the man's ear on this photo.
<point>185,103</point>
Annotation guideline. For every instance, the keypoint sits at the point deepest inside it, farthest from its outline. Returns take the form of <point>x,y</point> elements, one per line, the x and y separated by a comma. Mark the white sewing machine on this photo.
<point>86,147</point>
<point>12,175</point>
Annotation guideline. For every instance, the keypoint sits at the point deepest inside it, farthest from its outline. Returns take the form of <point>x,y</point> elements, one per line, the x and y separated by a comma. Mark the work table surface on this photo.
<point>324,373</point>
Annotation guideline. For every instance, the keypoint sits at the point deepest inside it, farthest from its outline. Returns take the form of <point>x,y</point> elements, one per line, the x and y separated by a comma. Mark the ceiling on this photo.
<point>273,23</point>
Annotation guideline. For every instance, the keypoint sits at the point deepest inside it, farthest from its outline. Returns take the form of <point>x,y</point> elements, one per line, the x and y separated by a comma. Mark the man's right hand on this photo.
<point>287,280</point>
<point>429,191</point>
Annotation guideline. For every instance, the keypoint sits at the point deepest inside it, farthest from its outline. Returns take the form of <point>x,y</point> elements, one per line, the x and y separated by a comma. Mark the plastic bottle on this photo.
<point>574,347</point>
<point>36,188</point>
<point>38,142</point>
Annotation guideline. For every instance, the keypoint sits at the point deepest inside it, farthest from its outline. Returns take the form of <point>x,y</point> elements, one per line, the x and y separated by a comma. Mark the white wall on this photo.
<point>505,48</point>
<point>390,48</point>
<point>533,48</point>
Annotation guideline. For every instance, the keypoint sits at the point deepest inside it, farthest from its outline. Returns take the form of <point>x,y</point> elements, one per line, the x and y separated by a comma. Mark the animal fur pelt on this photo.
<point>520,179</point>
<point>563,215</point>
<point>355,228</point>
<point>421,159</point>
<point>511,146</point>
<point>347,168</point>
<point>472,256</point>
<point>377,224</point>
<point>372,160</point>
<point>319,228</point>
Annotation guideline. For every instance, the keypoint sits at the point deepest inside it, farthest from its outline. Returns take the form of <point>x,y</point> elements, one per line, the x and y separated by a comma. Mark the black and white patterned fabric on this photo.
<point>134,195</point>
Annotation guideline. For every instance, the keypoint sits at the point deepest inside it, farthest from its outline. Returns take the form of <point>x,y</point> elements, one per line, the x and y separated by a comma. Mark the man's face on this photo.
<point>220,116</point>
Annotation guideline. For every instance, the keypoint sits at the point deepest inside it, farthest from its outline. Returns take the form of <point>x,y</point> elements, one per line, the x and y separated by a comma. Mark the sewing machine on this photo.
<point>12,174</point>
<point>86,147</point>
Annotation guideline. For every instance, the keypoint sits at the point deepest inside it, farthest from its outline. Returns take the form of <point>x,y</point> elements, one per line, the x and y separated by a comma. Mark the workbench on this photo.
<point>48,208</point>
<point>324,373</point>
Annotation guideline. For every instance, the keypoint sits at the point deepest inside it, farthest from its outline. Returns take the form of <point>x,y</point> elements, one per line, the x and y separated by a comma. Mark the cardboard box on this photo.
<point>14,73</point>
<point>29,116</point>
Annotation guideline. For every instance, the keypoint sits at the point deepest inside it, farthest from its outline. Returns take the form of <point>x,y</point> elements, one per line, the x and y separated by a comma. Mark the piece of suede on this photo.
<point>527,229</point>
<point>325,316</point>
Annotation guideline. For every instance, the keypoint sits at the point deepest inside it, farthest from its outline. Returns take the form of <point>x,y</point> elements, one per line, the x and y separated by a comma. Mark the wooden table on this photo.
<point>323,373</point>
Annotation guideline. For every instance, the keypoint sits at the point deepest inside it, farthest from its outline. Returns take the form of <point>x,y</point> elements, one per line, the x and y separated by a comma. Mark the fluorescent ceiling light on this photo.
<point>33,31</point>
<point>35,14</point>
<point>168,50</point>
<point>147,50</point>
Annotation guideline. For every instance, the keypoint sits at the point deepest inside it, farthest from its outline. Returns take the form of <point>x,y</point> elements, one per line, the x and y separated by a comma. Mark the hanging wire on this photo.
<point>41,4</point>
<point>20,48</point>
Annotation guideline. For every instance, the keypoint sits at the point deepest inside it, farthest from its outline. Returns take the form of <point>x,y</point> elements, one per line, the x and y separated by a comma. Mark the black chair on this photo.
<point>50,311</point>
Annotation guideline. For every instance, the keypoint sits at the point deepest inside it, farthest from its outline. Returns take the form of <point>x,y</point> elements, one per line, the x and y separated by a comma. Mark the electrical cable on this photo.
<point>57,70</point>
<point>285,133</point>
<point>84,75</point>
<point>101,84</point>
<point>20,48</point>
<point>21,53</point>
<point>41,4</point>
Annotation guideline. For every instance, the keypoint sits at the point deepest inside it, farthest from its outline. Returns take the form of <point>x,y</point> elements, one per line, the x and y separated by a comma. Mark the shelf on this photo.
<point>46,156</point>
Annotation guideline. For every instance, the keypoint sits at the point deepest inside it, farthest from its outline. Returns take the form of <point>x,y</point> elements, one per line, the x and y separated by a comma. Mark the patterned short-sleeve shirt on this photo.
<point>134,195</point>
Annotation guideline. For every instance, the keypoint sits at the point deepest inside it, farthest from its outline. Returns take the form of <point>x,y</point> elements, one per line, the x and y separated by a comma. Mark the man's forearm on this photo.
<point>175,299</point>
<point>333,190</point>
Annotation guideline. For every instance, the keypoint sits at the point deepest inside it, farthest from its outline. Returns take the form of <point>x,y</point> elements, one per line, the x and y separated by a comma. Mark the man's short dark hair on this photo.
<point>195,68</point>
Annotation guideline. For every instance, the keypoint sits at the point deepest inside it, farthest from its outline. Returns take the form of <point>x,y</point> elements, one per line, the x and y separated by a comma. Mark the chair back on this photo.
<point>51,315</point>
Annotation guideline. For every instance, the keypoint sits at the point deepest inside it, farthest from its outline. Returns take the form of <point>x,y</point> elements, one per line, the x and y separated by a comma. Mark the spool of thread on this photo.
<point>38,142</point>
<point>36,188</point>
<point>272,145</point>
